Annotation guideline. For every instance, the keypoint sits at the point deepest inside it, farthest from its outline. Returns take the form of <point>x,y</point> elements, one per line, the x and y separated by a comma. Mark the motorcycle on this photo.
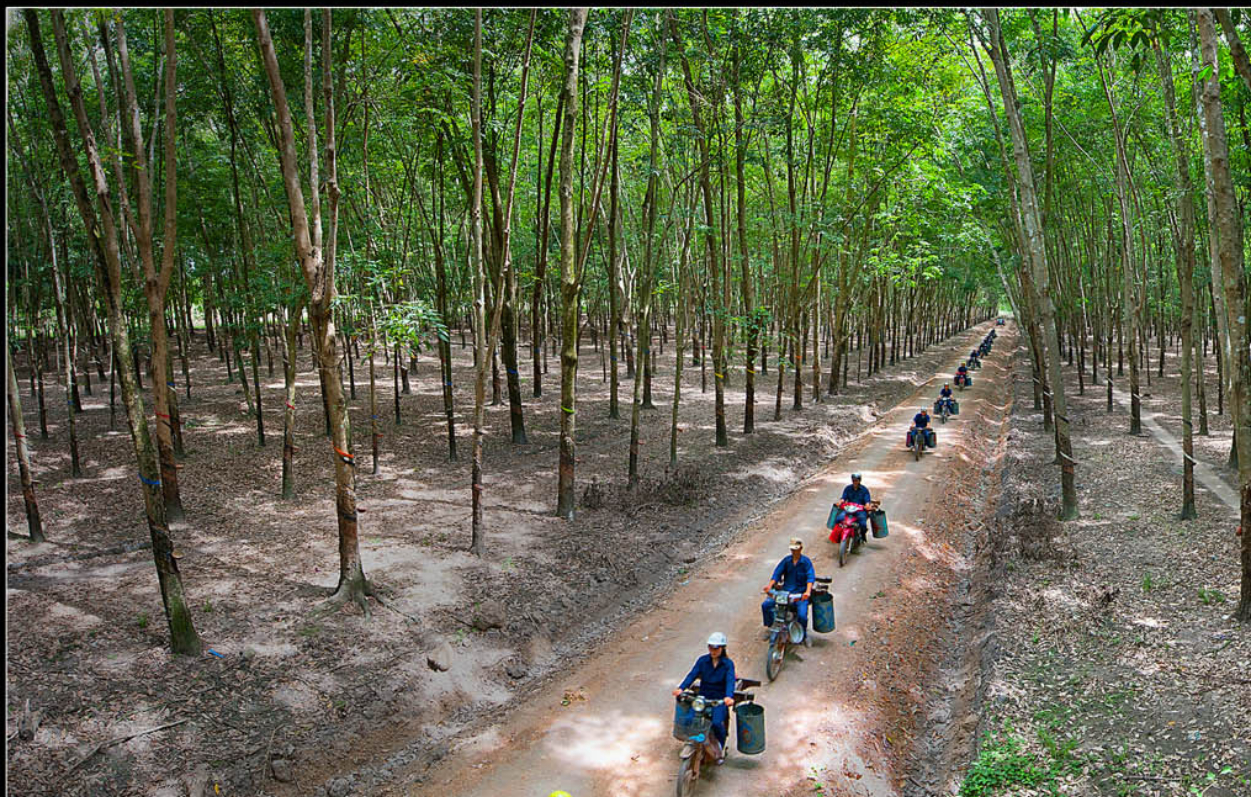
<point>944,409</point>
<point>786,629</point>
<point>962,381</point>
<point>846,532</point>
<point>700,744</point>
<point>917,443</point>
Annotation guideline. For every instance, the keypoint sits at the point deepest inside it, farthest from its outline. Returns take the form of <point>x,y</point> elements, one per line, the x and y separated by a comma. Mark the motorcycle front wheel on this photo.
<point>775,658</point>
<point>918,445</point>
<point>687,776</point>
<point>844,549</point>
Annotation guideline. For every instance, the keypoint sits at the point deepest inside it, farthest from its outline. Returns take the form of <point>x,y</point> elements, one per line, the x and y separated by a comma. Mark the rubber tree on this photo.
<point>570,282</point>
<point>33,522</point>
<point>103,242</point>
<point>1229,271</point>
<point>156,281</point>
<point>1035,261</point>
<point>318,267</point>
<point>697,99</point>
<point>1184,250</point>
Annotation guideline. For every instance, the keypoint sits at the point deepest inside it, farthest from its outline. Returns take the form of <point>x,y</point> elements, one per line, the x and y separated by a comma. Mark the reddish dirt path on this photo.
<point>613,737</point>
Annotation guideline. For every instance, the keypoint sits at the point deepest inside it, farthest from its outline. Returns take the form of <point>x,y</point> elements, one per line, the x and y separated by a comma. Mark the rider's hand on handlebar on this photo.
<point>729,701</point>
<point>677,691</point>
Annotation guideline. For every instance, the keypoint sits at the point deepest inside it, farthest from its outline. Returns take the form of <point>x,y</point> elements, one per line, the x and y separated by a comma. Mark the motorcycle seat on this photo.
<point>748,683</point>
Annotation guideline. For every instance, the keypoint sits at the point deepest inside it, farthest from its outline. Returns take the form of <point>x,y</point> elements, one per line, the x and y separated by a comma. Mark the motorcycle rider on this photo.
<point>944,396</point>
<point>855,493</point>
<point>795,573</point>
<point>715,673</point>
<point>963,373</point>
<point>920,422</point>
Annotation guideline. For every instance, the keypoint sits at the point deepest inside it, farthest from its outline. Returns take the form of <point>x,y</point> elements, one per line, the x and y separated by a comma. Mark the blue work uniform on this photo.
<point>945,392</point>
<point>716,683</point>
<point>793,577</point>
<point>921,421</point>
<point>856,495</point>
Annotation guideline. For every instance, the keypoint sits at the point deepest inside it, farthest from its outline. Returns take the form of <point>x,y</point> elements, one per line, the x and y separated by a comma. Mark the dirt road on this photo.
<point>604,729</point>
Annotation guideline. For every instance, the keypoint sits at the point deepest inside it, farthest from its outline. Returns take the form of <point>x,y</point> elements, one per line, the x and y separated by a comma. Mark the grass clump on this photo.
<point>1001,763</point>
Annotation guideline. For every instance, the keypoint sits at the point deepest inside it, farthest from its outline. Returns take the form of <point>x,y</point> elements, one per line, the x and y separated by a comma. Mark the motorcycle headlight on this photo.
<point>698,704</point>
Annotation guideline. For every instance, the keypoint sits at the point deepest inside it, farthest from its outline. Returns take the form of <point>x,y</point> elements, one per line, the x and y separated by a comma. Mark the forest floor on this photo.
<point>1111,664</point>
<point>287,702</point>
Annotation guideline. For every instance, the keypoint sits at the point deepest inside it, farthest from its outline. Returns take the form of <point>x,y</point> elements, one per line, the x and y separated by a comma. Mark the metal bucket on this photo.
<point>750,727</point>
<point>878,521</point>
<point>795,632</point>
<point>823,610</point>
<point>686,723</point>
<point>931,438</point>
<point>955,407</point>
<point>829,522</point>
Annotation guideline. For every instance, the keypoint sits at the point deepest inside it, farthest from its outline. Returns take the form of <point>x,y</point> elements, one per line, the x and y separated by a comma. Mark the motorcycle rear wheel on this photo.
<point>686,775</point>
<point>775,658</point>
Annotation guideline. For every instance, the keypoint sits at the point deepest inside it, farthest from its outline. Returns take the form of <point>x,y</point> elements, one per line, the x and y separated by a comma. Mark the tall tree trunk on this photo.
<point>650,256</point>
<point>1184,246</point>
<point>318,267</point>
<point>1228,270</point>
<point>103,241</point>
<point>570,283</point>
<point>288,415</point>
<point>33,522</point>
<point>1037,257</point>
<point>481,355</point>
<point>696,98</point>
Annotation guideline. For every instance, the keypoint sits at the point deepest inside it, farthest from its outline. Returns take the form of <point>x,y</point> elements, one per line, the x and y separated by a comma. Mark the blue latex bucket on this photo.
<point>686,723</point>
<point>823,611</point>
<point>878,521</point>
<point>750,727</point>
<point>955,407</point>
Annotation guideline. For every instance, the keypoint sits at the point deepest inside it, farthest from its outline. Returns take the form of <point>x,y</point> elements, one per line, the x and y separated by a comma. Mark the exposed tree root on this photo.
<point>359,591</point>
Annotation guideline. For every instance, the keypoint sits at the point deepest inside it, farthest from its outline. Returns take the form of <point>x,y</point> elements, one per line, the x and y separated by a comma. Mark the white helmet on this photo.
<point>717,638</point>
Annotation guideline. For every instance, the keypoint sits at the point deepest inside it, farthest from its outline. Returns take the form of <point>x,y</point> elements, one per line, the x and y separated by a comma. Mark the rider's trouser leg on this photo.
<point>766,609</point>
<point>720,719</point>
<point>802,610</point>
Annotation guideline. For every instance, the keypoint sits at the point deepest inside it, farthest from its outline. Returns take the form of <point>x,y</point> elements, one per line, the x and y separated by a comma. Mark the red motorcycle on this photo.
<point>845,531</point>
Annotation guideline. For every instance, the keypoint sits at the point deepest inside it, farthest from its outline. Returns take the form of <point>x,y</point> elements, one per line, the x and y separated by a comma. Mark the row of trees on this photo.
<point>1112,240</point>
<point>759,188</point>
